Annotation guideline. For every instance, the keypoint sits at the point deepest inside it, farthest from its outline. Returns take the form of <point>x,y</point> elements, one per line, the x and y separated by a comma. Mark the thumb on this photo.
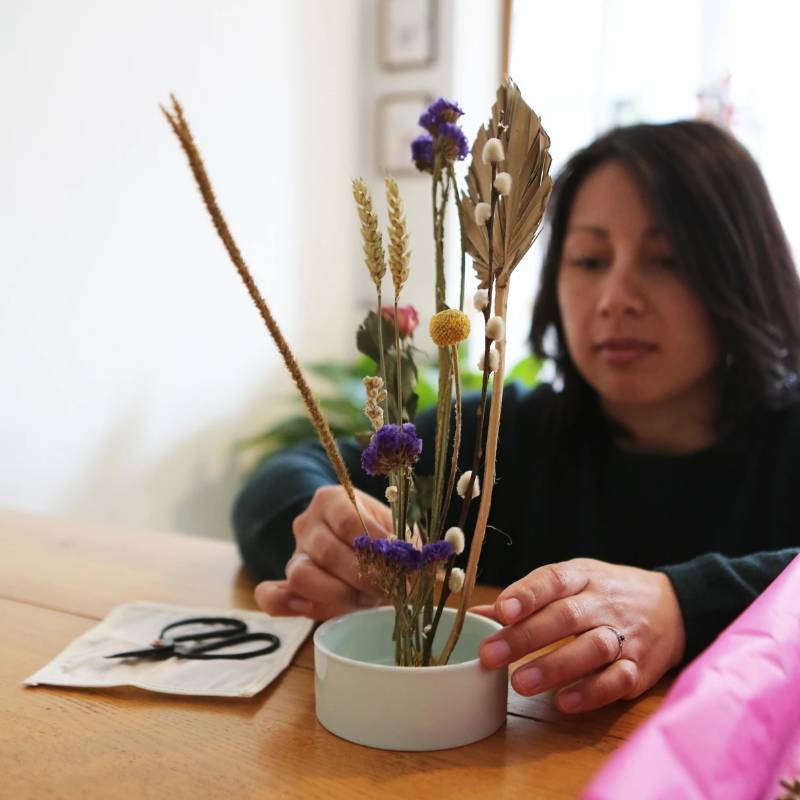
<point>486,611</point>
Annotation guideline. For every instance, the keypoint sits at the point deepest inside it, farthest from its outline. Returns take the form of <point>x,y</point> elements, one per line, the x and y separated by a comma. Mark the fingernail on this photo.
<point>510,609</point>
<point>528,680</point>
<point>496,653</point>
<point>569,701</point>
<point>299,605</point>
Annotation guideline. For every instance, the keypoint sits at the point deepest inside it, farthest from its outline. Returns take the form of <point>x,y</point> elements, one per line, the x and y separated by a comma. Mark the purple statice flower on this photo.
<point>403,555</point>
<point>395,554</point>
<point>452,142</point>
<point>439,112</point>
<point>436,551</point>
<point>391,447</point>
<point>422,153</point>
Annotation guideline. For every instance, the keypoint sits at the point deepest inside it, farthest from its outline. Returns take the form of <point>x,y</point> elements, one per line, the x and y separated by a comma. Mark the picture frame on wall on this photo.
<point>407,33</point>
<point>397,125</point>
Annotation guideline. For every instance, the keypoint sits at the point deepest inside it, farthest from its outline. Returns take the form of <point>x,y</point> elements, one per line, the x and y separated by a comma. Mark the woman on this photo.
<point>643,506</point>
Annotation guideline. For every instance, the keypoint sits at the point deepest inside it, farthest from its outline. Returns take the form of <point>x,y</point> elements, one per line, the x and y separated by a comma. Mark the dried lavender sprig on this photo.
<point>180,128</point>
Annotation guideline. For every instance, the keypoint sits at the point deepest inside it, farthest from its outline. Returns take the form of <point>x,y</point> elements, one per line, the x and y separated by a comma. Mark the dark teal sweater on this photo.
<point>721,523</point>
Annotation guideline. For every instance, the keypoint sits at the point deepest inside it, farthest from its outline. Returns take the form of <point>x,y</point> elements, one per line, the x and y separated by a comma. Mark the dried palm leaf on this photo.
<point>519,214</point>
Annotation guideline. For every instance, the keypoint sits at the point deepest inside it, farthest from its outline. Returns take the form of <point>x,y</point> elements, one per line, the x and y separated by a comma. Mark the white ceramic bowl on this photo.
<point>363,697</point>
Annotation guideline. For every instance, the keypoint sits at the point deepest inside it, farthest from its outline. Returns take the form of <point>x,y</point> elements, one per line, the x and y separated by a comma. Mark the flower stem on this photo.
<point>457,196</point>
<point>382,363</point>
<point>180,128</point>
<point>397,366</point>
<point>456,432</point>
<point>448,495</point>
<point>445,374</point>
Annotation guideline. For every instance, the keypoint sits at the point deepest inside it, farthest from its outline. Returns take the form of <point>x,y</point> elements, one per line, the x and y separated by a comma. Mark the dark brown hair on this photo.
<point>714,205</point>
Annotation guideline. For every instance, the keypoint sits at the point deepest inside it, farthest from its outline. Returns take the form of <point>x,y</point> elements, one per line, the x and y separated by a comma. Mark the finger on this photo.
<point>275,598</point>
<point>317,585</point>
<point>485,611</point>
<point>299,555</point>
<point>617,681</point>
<point>567,617</point>
<point>332,555</point>
<point>278,601</point>
<point>537,590</point>
<point>589,652</point>
<point>342,519</point>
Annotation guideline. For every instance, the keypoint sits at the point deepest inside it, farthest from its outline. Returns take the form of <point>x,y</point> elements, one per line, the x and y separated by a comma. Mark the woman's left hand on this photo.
<point>597,603</point>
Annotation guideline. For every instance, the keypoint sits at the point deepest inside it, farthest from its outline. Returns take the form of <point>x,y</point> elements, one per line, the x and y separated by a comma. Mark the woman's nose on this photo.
<point>620,293</point>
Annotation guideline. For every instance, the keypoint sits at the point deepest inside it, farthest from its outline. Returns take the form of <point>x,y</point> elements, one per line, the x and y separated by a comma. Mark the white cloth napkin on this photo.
<point>135,625</point>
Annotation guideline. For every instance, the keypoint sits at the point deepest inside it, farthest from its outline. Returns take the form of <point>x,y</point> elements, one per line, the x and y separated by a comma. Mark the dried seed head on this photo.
<point>373,243</point>
<point>496,329</point>
<point>449,327</point>
<point>481,299</point>
<point>375,396</point>
<point>463,483</point>
<point>399,254</point>
<point>494,361</point>
<point>493,151</point>
<point>482,213</point>
<point>502,183</point>
<point>456,582</point>
<point>455,536</point>
<point>373,385</point>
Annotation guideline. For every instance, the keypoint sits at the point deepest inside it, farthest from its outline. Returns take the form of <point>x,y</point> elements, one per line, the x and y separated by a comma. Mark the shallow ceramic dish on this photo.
<point>363,697</point>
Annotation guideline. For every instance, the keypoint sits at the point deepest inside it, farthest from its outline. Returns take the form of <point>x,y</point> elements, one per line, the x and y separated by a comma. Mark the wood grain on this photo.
<point>58,578</point>
<point>88,568</point>
<point>127,743</point>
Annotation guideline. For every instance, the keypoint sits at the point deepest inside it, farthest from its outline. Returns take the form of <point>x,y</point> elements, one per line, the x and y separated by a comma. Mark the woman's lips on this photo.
<point>623,351</point>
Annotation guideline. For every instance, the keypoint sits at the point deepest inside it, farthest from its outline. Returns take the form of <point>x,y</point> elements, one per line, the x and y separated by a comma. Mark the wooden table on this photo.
<point>57,579</point>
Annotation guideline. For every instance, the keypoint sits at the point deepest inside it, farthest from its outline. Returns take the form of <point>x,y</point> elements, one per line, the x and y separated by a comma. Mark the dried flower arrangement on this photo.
<point>500,215</point>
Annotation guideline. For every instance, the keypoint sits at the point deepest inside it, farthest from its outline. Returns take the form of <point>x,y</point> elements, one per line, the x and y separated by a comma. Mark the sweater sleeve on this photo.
<point>714,589</point>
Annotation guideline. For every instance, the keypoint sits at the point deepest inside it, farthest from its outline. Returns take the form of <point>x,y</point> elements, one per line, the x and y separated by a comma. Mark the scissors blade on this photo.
<point>151,653</point>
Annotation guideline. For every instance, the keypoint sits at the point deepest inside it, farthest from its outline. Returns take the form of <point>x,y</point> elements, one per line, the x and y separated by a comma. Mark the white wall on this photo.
<point>133,358</point>
<point>131,355</point>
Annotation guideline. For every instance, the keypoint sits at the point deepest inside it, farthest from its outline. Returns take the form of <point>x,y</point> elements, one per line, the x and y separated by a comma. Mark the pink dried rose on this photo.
<point>407,319</point>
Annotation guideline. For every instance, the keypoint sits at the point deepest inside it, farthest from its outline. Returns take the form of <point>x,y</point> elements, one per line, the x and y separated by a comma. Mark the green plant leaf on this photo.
<point>526,371</point>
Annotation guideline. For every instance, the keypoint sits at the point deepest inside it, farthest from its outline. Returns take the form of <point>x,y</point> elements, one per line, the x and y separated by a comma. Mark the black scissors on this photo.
<point>227,631</point>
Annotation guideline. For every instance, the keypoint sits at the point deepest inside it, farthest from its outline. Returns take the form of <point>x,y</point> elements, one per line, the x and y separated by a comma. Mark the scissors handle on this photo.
<point>203,651</point>
<point>226,627</point>
<point>227,631</point>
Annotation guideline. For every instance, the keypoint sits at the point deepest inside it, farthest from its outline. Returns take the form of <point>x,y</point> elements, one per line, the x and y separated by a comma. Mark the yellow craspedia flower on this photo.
<point>450,326</point>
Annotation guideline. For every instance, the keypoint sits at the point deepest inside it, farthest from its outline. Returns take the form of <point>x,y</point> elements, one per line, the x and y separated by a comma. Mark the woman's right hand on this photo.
<point>322,579</point>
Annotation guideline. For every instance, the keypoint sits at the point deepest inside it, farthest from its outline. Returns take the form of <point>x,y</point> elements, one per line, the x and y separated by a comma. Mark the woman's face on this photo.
<point>635,329</point>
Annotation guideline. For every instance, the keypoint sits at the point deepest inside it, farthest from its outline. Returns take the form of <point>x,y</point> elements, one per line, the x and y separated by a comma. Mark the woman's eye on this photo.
<point>586,263</point>
<point>666,262</point>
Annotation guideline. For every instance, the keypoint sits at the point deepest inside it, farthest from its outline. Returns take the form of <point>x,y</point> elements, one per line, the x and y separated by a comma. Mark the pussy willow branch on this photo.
<point>180,127</point>
<point>493,430</point>
<point>491,443</point>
